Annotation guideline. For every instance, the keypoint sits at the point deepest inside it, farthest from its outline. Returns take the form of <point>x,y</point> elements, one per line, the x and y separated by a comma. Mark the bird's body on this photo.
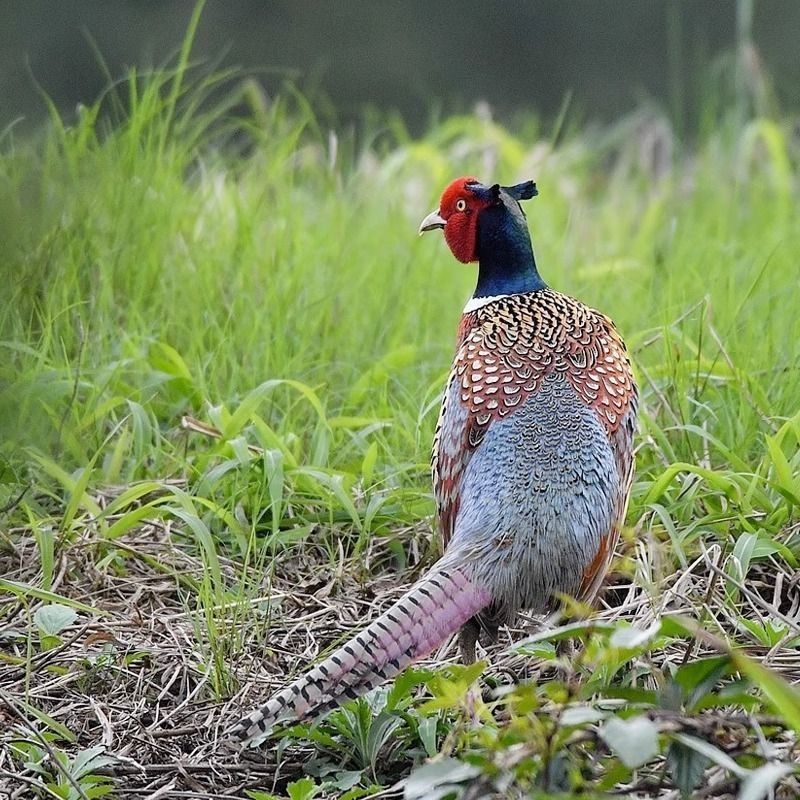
<point>532,460</point>
<point>533,451</point>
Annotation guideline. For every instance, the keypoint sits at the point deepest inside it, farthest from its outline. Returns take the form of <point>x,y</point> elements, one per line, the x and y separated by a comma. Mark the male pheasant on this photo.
<point>532,461</point>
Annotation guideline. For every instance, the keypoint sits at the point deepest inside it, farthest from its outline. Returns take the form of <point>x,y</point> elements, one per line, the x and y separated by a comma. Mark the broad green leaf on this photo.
<point>785,699</point>
<point>347,779</point>
<point>758,784</point>
<point>426,730</point>
<point>686,767</point>
<point>166,358</point>
<point>698,678</point>
<point>634,740</point>
<point>435,779</point>
<point>404,684</point>
<point>630,637</point>
<point>710,752</point>
<point>52,619</point>
<point>303,789</point>
<point>677,626</point>
<point>90,759</point>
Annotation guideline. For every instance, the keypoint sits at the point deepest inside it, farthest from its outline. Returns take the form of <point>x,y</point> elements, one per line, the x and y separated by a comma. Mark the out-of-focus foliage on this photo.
<point>419,58</point>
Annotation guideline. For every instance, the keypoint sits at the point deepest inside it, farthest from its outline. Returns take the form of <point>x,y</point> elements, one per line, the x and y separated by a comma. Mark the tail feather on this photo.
<point>434,608</point>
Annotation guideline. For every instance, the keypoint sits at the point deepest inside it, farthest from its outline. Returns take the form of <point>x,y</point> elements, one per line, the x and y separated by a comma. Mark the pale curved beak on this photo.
<point>431,222</point>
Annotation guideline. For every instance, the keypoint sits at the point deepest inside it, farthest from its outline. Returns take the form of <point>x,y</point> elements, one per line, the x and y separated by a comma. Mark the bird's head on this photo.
<point>463,203</point>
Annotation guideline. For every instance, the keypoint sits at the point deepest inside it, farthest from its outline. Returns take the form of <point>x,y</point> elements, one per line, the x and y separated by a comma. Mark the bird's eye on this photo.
<point>461,204</point>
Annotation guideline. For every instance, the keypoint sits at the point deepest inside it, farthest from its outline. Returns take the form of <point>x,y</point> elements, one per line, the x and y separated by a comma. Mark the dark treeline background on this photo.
<point>417,57</point>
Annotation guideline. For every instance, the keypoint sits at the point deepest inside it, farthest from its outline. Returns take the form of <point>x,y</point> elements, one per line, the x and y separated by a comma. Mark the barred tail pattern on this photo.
<point>434,608</point>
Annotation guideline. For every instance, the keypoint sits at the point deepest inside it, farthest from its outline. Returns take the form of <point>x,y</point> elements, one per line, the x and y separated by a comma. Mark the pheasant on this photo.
<point>532,461</point>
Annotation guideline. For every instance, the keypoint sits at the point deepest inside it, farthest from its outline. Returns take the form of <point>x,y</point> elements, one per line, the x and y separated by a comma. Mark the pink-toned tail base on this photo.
<point>434,608</point>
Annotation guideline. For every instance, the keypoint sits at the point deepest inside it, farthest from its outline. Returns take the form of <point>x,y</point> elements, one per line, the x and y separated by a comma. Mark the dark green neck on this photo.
<point>506,264</point>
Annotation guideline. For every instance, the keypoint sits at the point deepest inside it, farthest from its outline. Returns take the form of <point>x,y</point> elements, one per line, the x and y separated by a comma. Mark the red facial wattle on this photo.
<point>458,210</point>
<point>461,235</point>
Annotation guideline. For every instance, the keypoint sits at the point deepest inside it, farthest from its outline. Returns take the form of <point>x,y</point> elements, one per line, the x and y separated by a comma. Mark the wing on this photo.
<point>505,351</point>
<point>617,403</point>
<point>622,445</point>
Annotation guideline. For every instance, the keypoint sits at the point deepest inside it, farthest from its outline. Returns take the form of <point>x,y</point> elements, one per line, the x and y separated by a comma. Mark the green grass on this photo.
<point>165,256</point>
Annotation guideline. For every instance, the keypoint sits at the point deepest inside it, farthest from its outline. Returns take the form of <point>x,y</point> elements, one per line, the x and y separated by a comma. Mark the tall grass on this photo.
<point>181,274</point>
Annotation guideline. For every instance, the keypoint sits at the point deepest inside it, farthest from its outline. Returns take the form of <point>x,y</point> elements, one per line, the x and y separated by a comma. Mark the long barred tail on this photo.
<point>434,608</point>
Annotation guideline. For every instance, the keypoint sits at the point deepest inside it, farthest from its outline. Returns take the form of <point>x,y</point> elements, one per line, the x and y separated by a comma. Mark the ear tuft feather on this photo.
<point>522,191</point>
<point>488,194</point>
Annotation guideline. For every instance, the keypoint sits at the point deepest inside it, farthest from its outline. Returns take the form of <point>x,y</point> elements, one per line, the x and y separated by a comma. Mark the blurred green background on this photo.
<point>422,59</point>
